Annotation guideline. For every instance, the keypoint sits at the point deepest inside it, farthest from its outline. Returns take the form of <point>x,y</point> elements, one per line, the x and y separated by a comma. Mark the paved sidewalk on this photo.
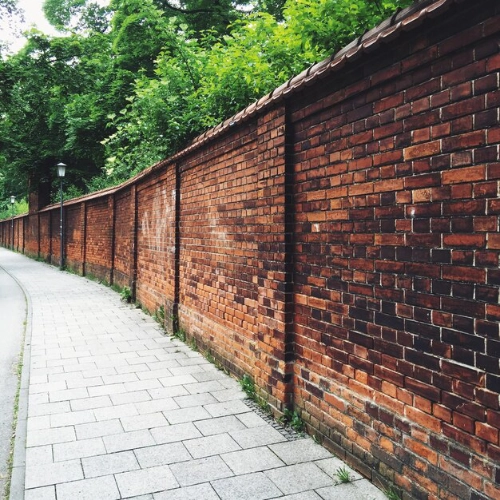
<point>112,408</point>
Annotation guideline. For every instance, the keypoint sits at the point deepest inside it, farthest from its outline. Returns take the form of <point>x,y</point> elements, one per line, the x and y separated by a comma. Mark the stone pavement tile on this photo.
<point>200,471</point>
<point>168,392</point>
<point>102,488</point>
<point>301,450</point>
<point>36,423</point>
<point>186,414</point>
<point>257,436</point>
<point>297,478</point>
<point>141,385</point>
<point>156,405</point>
<point>45,493</point>
<point>72,418</point>
<point>141,482</point>
<point>163,454</point>
<point>36,410</point>
<point>205,376</point>
<point>228,395</point>
<point>211,445</point>
<point>50,386</point>
<point>175,433</point>
<point>178,380</point>
<point>91,403</point>
<point>78,449</point>
<point>226,408</point>
<point>128,441</point>
<point>119,411</point>
<point>356,490</point>
<point>198,492</point>
<point>332,464</point>
<point>154,374</point>
<point>106,390</point>
<point>305,495</point>
<point>251,419</point>
<point>195,400</point>
<point>47,474</point>
<point>68,394</point>
<point>103,465</point>
<point>248,487</point>
<point>39,455</point>
<point>219,425</point>
<point>137,368</point>
<point>98,429</point>
<point>199,387</point>
<point>251,460</point>
<point>50,436</point>
<point>147,421</point>
<point>84,382</point>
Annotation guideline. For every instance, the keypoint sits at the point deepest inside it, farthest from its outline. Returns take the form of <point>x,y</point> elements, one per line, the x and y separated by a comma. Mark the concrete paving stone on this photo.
<point>39,379</point>
<point>98,429</point>
<point>35,423</point>
<point>228,395</point>
<point>154,374</point>
<point>198,492</point>
<point>305,495</point>
<point>112,412</point>
<point>72,418</point>
<point>142,367</point>
<point>47,474</point>
<point>211,445</point>
<point>119,378</point>
<point>195,400</point>
<point>146,421</point>
<point>156,405</point>
<point>356,490</point>
<point>130,397</point>
<point>200,471</point>
<point>107,390</point>
<point>149,352</point>
<point>251,419</point>
<point>39,455</point>
<point>178,380</point>
<point>332,464</point>
<point>64,376</point>
<point>102,349</point>
<point>297,478</point>
<point>39,399</point>
<point>251,460</point>
<point>78,449</point>
<point>175,433</point>
<point>186,414</point>
<point>141,482</point>
<point>226,408</point>
<point>219,425</point>
<point>257,436</point>
<point>249,487</point>
<point>80,367</point>
<point>90,403</point>
<point>47,387</point>
<point>45,493</point>
<point>68,394</point>
<point>113,463</point>
<point>84,382</point>
<point>195,360</point>
<point>199,387</point>
<point>168,392</point>
<point>99,372</point>
<point>163,454</point>
<point>50,436</point>
<point>141,385</point>
<point>128,441</point>
<point>302,450</point>
<point>166,364</point>
<point>102,488</point>
<point>205,376</point>
<point>142,360</point>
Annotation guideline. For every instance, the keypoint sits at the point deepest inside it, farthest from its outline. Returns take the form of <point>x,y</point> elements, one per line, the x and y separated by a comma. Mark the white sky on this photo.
<point>33,14</point>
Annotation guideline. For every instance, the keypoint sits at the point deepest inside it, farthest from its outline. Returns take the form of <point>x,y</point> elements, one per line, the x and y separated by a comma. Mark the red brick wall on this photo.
<point>341,245</point>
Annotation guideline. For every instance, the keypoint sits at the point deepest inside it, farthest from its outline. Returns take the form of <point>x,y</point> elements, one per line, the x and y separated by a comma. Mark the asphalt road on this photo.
<point>12,319</point>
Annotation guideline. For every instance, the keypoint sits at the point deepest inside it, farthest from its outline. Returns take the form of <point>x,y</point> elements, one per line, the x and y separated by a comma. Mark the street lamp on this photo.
<point>61,172</point>
<point>12,201</point>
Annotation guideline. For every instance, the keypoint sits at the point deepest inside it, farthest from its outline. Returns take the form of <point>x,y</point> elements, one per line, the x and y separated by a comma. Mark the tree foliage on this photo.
<point>133,81</point>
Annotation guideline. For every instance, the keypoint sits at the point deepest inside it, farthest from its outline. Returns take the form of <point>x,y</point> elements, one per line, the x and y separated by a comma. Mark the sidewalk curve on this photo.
<point>111,408</point>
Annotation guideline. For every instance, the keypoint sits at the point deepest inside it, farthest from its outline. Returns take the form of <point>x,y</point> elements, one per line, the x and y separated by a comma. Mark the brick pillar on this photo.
<point>275,351</point>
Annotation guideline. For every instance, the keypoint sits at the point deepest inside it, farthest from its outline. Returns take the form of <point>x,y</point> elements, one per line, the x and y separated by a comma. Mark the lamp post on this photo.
<point>12,201</point>
<point>61,172</point>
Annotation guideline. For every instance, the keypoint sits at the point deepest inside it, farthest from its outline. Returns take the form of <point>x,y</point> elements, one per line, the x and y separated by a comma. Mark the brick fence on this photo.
<point>339,241</point>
